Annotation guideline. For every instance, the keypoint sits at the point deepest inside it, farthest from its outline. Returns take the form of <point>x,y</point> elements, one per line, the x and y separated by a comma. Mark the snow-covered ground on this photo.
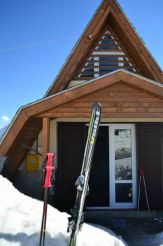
<point>20,221</point>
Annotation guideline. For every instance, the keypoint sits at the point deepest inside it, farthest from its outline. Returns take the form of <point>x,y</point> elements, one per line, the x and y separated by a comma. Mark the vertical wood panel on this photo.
<point>70,155</point>
<point>46,137</point>
<point>149,158</point>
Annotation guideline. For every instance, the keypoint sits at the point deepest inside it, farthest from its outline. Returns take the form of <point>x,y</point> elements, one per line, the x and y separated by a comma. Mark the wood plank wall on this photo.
<point>119,100</point>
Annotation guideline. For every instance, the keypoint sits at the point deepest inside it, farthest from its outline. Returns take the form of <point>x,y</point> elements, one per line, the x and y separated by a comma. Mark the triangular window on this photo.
<point>107,55</point>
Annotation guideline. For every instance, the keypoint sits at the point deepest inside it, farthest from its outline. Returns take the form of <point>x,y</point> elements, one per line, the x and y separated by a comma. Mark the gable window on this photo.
<point>106,56</point>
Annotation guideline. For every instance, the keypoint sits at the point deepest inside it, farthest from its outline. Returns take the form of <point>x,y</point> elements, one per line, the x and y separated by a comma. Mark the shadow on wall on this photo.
<point>29,183</point>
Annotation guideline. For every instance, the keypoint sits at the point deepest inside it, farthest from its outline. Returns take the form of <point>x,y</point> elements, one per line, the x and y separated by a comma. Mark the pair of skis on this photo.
<point>76,220</point>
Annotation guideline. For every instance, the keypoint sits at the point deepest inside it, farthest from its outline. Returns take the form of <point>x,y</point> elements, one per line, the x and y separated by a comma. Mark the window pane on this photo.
<point>88,70</point>
<point>110,63</point>
<point>108,58</point>
<point>108,41</point>
<point>123,154</point>
<point>87,75</point>
<point>90,63</point>
<point>106,72</point>
<point>102,69</point>
<point>102,47</point>
<point>124,193</point>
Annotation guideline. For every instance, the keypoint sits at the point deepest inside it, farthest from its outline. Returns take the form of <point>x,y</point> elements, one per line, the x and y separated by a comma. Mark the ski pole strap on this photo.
<point>141,172</point>
<point>49,170</point>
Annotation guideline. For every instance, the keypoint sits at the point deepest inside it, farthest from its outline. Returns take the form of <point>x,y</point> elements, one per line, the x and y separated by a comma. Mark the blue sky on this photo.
<point>36,36</point>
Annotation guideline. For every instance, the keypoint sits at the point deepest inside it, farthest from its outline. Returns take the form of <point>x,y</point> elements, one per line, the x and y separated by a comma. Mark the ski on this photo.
<point>77,217</point>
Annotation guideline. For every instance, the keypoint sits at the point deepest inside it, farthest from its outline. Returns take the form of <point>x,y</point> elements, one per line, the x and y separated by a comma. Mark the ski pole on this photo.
<point>47,184</point>
<point>146,195</point>
<point>139,193</point>
<point>145,189</point>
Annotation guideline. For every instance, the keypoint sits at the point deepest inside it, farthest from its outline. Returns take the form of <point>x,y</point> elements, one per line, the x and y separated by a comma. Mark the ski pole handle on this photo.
<point>141,172</point>
<point>49,170</point>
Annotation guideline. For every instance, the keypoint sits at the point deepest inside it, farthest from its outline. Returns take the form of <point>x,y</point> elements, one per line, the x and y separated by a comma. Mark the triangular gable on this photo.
<point>108,14</point>
<point>107,55</point>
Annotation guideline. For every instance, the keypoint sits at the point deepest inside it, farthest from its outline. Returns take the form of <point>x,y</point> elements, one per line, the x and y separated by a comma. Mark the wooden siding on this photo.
<point>46,137</point>
<point>149,159</point>
<point>122,95</point>
<point>118,100</point>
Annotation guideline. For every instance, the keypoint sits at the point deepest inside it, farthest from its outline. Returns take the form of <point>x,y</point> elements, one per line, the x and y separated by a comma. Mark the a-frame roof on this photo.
<point>108,12</point>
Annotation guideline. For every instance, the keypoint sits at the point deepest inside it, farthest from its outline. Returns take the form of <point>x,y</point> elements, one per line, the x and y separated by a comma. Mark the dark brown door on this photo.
<point>99,176</point>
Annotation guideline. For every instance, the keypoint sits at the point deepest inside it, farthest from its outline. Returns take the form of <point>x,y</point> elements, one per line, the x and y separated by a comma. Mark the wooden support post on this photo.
<point>46,137</point>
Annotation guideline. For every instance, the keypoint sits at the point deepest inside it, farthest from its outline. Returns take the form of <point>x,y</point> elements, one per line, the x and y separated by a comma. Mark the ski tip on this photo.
<point>97,104</point>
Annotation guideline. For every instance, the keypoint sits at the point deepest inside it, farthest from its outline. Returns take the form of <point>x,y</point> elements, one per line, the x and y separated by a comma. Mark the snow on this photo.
<point>20,222</point>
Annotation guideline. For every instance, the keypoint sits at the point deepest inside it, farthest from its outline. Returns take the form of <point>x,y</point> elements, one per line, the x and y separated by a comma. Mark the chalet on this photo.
<point>111,65</point>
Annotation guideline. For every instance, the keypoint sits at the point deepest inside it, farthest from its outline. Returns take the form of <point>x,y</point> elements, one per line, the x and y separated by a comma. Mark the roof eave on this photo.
<point>27,111</point>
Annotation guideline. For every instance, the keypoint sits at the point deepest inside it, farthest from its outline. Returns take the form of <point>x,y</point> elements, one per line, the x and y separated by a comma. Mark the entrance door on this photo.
<point>113,173</point>
<point>99,175</point>
<point>122,166</point>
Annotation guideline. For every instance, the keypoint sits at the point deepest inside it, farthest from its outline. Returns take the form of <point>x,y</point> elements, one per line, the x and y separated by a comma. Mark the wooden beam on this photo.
<point>46,137</point>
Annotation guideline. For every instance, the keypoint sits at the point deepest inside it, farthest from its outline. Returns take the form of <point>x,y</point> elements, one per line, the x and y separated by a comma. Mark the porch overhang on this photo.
<point>75,103</point>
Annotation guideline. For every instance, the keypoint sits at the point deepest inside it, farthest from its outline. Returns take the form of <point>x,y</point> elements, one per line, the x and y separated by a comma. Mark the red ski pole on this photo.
<point>145,190</point>
<point>47,184</point>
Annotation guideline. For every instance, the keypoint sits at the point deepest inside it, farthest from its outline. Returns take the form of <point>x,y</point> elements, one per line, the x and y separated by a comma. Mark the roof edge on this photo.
<point>139,37</point>
<point>158,73</point>
<point>73,49</point>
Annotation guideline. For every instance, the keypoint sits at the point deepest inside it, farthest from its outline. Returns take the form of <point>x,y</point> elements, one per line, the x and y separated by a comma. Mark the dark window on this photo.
<point>108,58</point>
<point>113,47</point>
<point>87,75</point>
<point>109,41</point>
<point>110,63</point>
<point>88,70</point>
<point>124,192</point>
<point>107,69</point>
<point>90,63</point>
